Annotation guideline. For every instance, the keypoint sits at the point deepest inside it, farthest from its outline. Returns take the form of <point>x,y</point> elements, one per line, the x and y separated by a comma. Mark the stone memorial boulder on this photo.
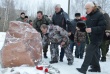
<point>22,45</point>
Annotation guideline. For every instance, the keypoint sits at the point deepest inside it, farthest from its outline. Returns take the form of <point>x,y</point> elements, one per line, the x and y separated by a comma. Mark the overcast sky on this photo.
<point>31,5</point>
<point>64,4</point>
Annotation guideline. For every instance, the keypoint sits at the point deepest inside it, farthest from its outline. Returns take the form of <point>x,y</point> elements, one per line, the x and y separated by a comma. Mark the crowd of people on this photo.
<point>90,34</point>
<point>24,18</point>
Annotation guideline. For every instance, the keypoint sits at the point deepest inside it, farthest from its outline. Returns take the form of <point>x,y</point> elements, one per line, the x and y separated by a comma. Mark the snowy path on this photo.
<point>65,69</point>
<point>61,66</point>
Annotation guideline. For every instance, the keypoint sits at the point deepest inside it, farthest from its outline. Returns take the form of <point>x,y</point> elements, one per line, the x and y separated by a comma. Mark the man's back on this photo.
<point>56,34</point>
<point>60,19</point>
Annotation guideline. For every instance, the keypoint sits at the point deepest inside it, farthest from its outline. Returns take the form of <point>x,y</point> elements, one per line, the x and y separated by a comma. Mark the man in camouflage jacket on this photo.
<point>42,19</point>
<point>57,36</point>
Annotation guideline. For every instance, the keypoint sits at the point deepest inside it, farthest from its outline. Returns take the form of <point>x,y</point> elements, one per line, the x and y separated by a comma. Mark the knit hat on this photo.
<point>77,14</point>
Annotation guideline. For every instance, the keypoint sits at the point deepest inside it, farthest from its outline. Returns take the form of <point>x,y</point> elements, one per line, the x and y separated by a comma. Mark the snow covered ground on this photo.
<point>61,66</point>
<point>65,69</point>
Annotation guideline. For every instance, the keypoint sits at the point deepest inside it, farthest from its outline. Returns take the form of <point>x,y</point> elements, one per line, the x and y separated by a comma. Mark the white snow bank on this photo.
<point>2,39</point>
<point>61,67</point>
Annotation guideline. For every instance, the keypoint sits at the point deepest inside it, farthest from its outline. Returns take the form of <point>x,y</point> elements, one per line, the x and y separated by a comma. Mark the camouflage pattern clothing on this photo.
<point>20,19</point>
<point>80,40</point>
<point>37,23</point>
<point>56,35</point>
<point>80,36</point>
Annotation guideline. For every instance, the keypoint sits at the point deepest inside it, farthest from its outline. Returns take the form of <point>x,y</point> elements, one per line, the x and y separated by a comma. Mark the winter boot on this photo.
<point>69,62</point>
<point>61,60</point>
<point>94,70</point>
<point>103,59</point>
<point>52,62</point>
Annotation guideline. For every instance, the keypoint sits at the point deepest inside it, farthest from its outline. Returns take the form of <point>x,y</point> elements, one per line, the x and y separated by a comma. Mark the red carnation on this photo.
<point>83,18</point>
<point>39,68</point>
<point>46,70</point>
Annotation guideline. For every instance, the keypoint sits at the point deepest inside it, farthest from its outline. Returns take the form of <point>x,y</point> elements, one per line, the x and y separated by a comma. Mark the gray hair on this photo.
<point>90,3</point>
<point>58,6</point>
<point>43,26</point>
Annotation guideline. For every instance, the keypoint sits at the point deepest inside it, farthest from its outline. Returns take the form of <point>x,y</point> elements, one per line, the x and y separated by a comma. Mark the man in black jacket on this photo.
<point>61,19</point>
<point>106,40</point>
<point>95,26</point>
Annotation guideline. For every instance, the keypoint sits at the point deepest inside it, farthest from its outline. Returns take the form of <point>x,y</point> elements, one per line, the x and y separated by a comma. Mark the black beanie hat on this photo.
<point>77,14</point>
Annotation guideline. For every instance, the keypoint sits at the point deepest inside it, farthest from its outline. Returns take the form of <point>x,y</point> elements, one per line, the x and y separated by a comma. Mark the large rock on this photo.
<point>23,45</point>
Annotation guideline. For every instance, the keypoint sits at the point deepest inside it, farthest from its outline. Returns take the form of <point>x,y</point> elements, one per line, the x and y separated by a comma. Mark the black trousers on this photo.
<point>91,57</point>
<point>45,48</point>
<point>62,53</point>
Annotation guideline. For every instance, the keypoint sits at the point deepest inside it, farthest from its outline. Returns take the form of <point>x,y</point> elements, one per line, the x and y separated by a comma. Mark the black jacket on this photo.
<point>73,28</point>
<point>60,19</point>
<point>107,18</point>
<point>97,23</point>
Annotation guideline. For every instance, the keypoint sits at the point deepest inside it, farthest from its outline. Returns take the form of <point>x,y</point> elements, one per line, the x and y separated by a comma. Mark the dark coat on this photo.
<point>74,23</point>
<point>107,18</point>
<point>97,23</point>
<point>60,19</point>
<point>73,28</point>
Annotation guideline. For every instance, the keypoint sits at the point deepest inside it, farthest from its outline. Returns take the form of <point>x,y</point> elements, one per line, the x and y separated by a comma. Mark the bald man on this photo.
<point>95,30</point>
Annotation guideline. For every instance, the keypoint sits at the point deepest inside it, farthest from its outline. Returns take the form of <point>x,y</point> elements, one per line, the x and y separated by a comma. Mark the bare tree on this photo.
<point>50,8</point>
<point>5,5</point>
<point>47,7</point>
<point>8,5</point>
<point>105,4</point>
<point>78,6</point>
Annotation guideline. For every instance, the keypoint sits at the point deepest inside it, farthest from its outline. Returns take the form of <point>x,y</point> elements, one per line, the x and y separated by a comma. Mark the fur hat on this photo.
<point>81,24</point>
<point>77,14</point>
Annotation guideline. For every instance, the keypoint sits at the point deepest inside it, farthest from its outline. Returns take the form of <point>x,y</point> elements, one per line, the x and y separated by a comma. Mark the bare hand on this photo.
<point>62,43</point>
<point>69,33</point>
<point>107,34</point>
<point>88,30</point>
<point>77,28</point>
